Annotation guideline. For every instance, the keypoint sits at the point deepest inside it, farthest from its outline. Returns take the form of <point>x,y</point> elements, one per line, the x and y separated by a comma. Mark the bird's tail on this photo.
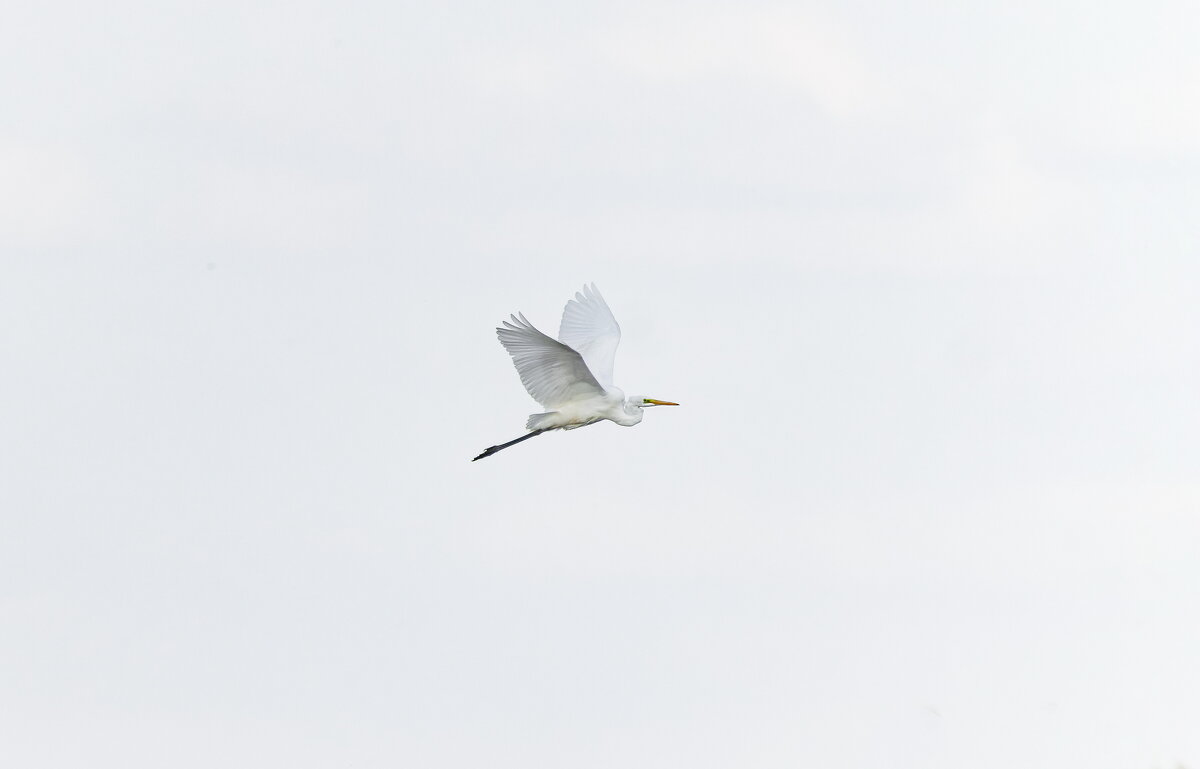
<point>540,421</point>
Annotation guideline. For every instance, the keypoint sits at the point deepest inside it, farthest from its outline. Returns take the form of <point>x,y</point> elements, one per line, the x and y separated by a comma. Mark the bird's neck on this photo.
<point>631,414</point>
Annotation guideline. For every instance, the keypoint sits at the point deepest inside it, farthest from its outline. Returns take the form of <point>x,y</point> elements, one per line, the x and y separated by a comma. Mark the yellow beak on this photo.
<point>659,403</point>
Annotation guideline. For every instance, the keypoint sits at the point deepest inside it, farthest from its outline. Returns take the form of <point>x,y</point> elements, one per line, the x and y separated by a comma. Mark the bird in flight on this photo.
<point>571,377</point>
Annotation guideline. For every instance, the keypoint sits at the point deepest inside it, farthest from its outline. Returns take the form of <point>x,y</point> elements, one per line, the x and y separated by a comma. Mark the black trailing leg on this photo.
<point>493,449</point>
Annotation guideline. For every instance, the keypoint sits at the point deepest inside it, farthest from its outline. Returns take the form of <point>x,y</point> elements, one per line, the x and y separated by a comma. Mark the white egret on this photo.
<point>571,378</point>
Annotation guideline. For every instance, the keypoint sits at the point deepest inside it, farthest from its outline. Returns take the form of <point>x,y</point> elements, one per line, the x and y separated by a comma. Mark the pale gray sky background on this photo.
<point>923,276</point>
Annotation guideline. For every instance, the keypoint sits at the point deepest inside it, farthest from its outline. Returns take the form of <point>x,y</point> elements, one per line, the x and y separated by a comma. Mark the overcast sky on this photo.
<point>924,279</point>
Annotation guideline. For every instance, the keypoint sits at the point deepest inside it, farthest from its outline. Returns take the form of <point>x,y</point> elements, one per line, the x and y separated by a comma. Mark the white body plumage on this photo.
<point>611,405</point>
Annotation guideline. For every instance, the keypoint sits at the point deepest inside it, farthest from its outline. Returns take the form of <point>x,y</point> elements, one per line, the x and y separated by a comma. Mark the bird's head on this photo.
<point>642,402</point>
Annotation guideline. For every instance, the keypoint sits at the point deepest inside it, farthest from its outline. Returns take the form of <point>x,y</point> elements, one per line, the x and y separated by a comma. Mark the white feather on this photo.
<point>588,327</point>
<point>552,372</point>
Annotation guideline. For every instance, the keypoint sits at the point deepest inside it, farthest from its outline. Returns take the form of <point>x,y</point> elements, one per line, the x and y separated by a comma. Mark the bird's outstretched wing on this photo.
<point>552,372</point>
<point>589,327</point>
